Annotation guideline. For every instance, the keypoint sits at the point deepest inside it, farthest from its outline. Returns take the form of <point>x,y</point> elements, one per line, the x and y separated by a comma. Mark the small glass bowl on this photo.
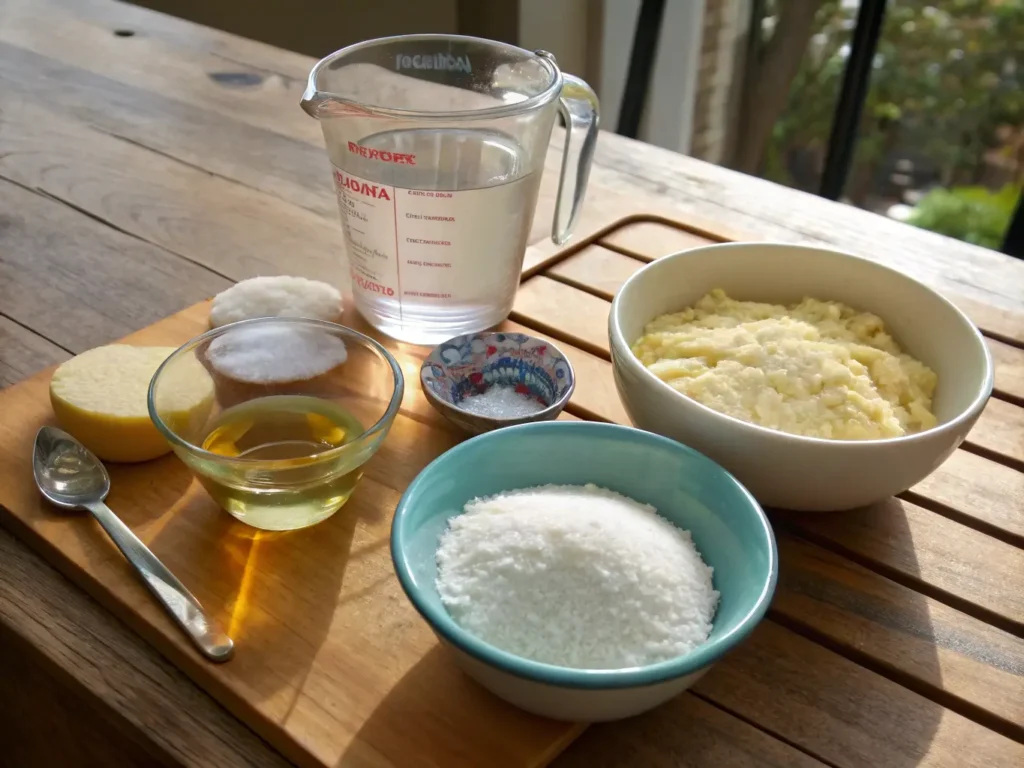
<point>276,416</point>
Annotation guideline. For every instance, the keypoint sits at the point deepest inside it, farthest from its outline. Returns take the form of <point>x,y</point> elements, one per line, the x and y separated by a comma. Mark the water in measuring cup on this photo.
<point>436,224</point>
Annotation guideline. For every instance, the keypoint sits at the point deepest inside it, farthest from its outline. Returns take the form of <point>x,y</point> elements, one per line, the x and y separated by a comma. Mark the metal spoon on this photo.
<point>70,476</point>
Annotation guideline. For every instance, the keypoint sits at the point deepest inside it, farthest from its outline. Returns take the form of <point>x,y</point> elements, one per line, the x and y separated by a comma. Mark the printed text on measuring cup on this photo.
<point>433,245</point>
<point>381,154</point>
<point>443,61</point>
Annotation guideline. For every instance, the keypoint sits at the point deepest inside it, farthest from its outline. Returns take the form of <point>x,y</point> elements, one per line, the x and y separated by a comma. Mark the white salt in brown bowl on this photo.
<point>729,529</point>
<point>793,471</point>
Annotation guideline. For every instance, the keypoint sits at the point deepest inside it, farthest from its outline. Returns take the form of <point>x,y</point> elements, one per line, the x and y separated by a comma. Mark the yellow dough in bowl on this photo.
<point>100,398</point>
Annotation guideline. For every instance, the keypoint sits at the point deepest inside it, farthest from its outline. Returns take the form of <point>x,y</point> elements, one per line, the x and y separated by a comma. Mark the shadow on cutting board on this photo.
<point>435,715</point>
<point>273,592</point>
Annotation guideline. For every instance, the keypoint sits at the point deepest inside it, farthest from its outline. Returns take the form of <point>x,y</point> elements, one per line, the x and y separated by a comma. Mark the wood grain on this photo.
<point>685,733</point>
<point>300,677</point>
<point>595,269</point>
<point>916,640</point>
<point>583,322</point>
<point>228,228</point>
<point>68,35</point>
<point>960,566</point>
<point>651,240</point>
<point>106,682</point>
<point>23,353</point>
<point>977,491</point>
<point>842,713</point>
<point>79,283</point>
<point>997,321</point>
<point>258,158</point>
<point>1009,366</point>
<point>43,724</point>
<point>999,433</point>
<point>187,38</point>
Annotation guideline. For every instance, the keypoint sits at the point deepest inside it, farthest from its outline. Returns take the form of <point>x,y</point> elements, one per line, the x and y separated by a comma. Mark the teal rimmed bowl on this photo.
<point>728,526</point>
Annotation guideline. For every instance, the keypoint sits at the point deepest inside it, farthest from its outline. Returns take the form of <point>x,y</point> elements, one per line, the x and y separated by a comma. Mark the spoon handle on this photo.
<point>179,602</point>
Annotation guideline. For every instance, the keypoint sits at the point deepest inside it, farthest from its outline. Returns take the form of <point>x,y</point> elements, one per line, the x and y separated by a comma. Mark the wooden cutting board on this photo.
<point>332,665</point>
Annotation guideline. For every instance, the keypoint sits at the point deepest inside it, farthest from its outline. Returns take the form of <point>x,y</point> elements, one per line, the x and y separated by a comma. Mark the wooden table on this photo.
<point>146,163</point>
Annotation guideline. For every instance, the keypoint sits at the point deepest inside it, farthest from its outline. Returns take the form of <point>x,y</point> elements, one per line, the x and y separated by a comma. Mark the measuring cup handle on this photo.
<point>578,104</point>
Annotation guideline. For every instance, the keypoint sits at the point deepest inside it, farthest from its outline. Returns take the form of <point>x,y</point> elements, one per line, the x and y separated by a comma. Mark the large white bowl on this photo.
<point>792,471</point>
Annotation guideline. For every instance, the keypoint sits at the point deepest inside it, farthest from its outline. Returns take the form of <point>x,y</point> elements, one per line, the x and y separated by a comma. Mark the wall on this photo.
<point>564,28</point>
<point>592,39</point>
<point>668,117</point>
<point>719,78</point>
<point>315,27</point>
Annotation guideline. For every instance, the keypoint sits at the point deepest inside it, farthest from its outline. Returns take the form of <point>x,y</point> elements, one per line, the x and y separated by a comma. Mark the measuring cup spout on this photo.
<point>315,102</point>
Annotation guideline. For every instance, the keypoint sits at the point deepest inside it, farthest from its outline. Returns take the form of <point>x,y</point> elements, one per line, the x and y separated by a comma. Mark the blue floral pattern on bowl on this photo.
<point>469,365</point>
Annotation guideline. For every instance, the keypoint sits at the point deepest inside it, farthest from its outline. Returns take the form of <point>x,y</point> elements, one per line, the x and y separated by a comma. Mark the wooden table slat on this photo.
<point>843,713</point>
<point>979,492</point>
<point>24,352</point>
<point>967,569</point>
<point>186,38</point>
<point>596,269</point>
<point>997,435</point>
<point>648,241</point>
<point>77,282</point>
<point>264,160</point>
<point>582,322</point>
<point>1009,367</point>
<point>151,64</point>
<point>688,732</point>
<point>231,229</point>
<point>950,656</point>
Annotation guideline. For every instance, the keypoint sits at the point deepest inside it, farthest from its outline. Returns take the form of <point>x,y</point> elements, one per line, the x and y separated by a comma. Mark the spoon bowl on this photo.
<point>68,474</point>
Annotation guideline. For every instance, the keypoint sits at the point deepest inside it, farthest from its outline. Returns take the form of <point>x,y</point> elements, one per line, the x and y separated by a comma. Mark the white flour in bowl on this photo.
<point>575,576</point>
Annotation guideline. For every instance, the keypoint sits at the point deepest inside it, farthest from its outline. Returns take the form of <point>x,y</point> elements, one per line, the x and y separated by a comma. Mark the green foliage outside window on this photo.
<point>973,214</point>
<point>947,88</point>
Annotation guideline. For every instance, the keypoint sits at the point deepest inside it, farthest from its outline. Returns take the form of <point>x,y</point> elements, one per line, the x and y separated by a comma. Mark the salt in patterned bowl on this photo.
<point>474,363</point>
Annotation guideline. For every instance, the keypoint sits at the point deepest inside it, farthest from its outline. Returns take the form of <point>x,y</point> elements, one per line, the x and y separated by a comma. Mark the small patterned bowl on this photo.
<point>471,364</point>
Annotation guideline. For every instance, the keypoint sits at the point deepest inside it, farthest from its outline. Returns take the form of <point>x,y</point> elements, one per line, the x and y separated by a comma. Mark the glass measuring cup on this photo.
<point>437,144</point>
